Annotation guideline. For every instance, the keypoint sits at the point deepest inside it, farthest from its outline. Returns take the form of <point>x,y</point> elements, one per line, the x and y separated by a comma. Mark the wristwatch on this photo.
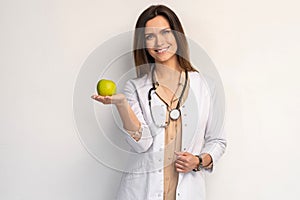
<point>200,166</point>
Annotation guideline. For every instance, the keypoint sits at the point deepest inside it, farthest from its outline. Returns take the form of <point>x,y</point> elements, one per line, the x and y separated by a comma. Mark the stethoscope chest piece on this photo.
<point>174,114</point>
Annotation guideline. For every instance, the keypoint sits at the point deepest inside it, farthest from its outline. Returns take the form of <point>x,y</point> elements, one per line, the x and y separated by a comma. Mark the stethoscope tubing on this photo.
<point>154,86</point>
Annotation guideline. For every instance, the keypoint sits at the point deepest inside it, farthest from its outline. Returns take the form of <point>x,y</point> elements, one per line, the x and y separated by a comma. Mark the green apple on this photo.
<point>106,87</point>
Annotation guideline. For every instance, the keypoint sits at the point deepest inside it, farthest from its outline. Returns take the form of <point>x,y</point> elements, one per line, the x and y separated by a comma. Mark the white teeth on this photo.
<point>162,50</point>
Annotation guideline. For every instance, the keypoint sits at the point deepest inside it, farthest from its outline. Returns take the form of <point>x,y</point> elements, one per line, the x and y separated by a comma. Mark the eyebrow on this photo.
<point>168,28</point>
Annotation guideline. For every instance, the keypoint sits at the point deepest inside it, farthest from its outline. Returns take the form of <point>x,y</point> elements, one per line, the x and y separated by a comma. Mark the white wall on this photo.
<point>254,44</point>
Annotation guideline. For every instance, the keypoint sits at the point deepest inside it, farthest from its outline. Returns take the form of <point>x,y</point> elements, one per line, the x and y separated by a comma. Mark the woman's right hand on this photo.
<point>129,119</point>
<point>117,99</point>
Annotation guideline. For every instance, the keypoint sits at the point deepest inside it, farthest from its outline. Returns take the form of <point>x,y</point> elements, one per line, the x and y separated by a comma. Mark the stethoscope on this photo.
<point>175,113</point>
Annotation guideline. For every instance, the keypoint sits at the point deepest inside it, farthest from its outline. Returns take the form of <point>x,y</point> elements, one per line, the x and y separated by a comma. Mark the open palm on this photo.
<point>114,99</point>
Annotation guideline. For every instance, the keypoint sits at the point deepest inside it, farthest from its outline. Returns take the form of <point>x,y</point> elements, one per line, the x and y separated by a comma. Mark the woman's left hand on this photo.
<point>185,162</point>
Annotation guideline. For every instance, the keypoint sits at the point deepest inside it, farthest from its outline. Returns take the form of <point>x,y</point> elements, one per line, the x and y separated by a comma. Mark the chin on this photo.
<point>164,59</point>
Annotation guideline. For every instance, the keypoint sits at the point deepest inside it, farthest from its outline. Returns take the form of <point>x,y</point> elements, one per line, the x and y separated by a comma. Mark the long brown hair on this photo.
<point>141,56</point>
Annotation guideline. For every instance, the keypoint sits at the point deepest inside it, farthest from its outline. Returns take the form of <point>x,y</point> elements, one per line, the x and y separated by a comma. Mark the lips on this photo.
<point>162,50</point>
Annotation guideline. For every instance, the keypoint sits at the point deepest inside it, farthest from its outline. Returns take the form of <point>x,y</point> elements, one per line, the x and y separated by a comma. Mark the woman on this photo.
<point>167,115</point>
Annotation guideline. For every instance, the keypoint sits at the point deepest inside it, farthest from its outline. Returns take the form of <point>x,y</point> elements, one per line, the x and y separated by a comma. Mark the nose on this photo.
<point>160,40</point>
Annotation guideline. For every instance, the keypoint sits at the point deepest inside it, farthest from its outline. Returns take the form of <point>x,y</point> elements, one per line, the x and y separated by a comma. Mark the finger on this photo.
<point>183,155</point>
<point>184,164</point>
<point>186,153</point>
<point>95,96</point>
<point>99,98</point>
<point>180,168</point>
<point>179,162</point>
<point>107,100</point>
<point>178,153</point>
<point>187,164</point>
<point>182,158</point>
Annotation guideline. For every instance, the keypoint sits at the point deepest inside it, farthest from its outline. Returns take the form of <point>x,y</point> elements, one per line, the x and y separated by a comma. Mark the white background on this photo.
<point>43,43</point>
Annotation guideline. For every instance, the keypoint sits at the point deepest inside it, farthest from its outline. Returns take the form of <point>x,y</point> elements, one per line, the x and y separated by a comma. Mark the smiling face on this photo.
<point>160,41</point>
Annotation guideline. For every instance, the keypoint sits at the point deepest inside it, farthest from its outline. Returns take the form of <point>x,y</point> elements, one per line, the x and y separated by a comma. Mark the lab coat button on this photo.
<point>185,124</point>
<point>159,170</point>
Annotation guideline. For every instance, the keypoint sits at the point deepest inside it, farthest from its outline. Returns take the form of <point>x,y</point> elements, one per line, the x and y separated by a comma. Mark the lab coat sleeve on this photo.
<point>215,140</point>
<point>144,143</point>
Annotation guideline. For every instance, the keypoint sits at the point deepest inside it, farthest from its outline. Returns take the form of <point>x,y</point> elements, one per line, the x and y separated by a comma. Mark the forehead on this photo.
<point>157,23</point>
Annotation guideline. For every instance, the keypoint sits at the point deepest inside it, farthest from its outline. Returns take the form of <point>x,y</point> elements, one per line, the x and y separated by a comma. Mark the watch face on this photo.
<point>174,114</point>
<point>200,163</point>
<point>199,167</point>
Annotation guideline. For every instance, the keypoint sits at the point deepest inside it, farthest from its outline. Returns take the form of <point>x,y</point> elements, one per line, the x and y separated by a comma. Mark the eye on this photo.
<point>165,32</point>
<point>149,37</point>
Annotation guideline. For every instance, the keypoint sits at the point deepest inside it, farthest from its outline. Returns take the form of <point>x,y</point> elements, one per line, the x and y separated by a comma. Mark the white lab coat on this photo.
<point>144,177</point>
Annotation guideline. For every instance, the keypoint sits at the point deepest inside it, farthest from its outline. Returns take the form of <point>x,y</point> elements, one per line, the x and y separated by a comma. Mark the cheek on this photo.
<point>150,44</point>
<point>148,48</point>
<point>171,39</point>
<point>151,52</point>
<point>174,47</point>
<point>147,45</point>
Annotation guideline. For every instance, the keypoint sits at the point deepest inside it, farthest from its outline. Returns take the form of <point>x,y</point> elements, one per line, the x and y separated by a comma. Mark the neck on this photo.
<point>171,63</point>
<point>167,77</point>
<point>168,71</point>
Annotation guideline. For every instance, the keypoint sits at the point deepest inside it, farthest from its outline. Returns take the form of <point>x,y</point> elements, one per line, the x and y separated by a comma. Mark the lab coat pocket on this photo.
<point>134,186</point>
<point>133,176</point>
